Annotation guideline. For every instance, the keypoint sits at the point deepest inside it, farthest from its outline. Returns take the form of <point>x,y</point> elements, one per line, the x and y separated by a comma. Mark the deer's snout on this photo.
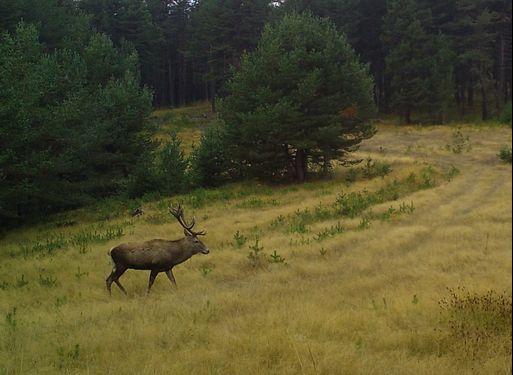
<point>205,251</point>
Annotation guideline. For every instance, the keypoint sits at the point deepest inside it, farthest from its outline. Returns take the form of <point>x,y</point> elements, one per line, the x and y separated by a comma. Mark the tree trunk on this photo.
<point>407,116</point>
<point>301,166</point>
<point>502,73</point>
<point>213,96</point>
<point>171,85</point>
<point>485,113</point>
<point>183,80</point>
<point>470,95</point>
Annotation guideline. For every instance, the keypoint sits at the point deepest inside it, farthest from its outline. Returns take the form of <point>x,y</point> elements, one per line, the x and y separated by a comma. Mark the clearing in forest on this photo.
<point>347,276</point>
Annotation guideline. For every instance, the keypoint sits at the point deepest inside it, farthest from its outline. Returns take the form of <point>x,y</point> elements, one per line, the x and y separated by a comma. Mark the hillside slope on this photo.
<point>343,284</point>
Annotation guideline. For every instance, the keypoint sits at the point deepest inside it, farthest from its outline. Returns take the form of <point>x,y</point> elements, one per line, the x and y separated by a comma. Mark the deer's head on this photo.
<point>191,237</point>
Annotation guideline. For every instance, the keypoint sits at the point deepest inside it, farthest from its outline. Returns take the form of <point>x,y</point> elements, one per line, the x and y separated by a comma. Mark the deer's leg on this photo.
<point>117,271</point>
<point>110,280</point>
<point>171,277</point>
<point>120,286</point>
<point>153,276</point>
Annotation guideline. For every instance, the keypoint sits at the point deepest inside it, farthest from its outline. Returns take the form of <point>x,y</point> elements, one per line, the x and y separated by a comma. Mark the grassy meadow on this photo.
<point>399,265</point>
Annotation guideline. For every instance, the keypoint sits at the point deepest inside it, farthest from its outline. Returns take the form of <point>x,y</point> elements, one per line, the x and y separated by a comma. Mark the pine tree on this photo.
<point>71,123</point>
<point>408,62</point>
<point>221,31</point>
<point>441,78</point>
<point>300,100</point>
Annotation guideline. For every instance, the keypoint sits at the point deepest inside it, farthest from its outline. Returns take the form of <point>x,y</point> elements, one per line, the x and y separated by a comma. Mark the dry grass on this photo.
<point>362,300</point>
<point>186,121</point>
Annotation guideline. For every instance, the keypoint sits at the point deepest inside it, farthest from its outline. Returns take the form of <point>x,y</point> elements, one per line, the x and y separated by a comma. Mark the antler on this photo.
<point>178,214</point>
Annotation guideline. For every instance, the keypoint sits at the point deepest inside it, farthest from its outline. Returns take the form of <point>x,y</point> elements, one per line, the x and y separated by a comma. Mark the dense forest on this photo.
<point>79,78</point>
<point>446,52</point>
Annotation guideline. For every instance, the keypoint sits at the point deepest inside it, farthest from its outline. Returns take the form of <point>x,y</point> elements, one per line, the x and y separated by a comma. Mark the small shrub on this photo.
<point>405,208</point>
<point>47,281</point>
<point>505,154</point>
<point>21,282</point>
<point>10,319</point>
<point>376,169</point>
<point>61,301</point>
<point>206,269</point>
<point>257,203</point>
<point>42,247</point>
<point>276,258</point>
<point>157,219</point>
<point>322,212</point>
<point>256,256</point>
<point>427,175</point>
<point>67,356</point>
<point>303,241</point>
<point>460,142</point>
<point>477,324</point>
<point>387,215</point>
<point>96,234</point>
<point>239,239</point>
<point>411,179</point>
<point>364,224</point>
<point>352,204</point>
<point>79,274</point>
<point>329,232</point>
<point>452,173</point>
<point>298,227</point>
<point>278,222</point>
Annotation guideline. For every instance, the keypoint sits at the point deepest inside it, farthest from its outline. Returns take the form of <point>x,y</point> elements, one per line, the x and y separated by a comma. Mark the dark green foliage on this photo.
<point>302,98</point>
<point>59,22</point>
<point>68,135</point>
<point>505,116</point>
<point>221,30</point>
<point>419,63</point>
<point>128,21</point>
<point>362,22</point>
<point>171,167</point>
<point>210,165</point>
<point>144,178</point>
<point>505,154</point>
<point>162,172</point>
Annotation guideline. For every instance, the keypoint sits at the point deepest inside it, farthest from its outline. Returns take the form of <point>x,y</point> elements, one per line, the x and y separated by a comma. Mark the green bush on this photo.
<point>210,166</point>
<point>171,167</point>
<point>162,171</point>
<point>505,116</point>
<point>144,178</point>
<point>505,154</point>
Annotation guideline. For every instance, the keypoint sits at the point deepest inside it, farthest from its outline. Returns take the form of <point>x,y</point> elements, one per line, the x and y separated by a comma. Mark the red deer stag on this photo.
<point>156,255</point>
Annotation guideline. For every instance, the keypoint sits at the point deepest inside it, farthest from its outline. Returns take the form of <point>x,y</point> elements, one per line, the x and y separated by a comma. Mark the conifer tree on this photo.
<point>221,31</point>
<point>300,101</point>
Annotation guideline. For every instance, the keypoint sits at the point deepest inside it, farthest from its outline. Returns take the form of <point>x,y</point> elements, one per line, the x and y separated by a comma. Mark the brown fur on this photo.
<point>156,256</point>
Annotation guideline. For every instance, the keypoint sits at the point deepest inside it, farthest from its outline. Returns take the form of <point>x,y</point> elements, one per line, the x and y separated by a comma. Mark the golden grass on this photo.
<point>360,302</point>
<point>186,121</point>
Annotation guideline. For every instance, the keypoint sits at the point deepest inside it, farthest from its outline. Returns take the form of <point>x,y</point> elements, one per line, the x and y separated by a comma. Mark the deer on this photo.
<point>157,255</point>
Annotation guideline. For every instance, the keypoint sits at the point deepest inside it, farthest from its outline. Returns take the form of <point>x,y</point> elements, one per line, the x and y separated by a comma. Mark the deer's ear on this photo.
<point>187,234</point>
